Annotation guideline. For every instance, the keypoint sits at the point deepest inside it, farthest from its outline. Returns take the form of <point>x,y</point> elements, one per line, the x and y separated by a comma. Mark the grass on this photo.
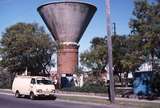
<point>84,99</point>
<point>120,103</point>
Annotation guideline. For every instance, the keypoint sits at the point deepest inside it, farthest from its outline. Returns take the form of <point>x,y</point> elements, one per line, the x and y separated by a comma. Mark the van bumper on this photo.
<point>45,94</point>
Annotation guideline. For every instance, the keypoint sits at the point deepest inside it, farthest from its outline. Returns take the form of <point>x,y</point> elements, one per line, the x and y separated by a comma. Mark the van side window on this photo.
<point>33,81</point>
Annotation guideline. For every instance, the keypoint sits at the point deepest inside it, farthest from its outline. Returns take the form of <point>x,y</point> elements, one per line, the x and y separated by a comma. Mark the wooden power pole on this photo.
<point>109,44</point>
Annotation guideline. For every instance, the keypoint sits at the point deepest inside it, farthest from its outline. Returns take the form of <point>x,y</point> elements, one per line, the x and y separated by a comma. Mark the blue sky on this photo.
<point>13,11</point>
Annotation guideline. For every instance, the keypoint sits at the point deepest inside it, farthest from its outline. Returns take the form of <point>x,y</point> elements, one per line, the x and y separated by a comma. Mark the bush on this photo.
<point>89,88</point>
<point>155,82</point>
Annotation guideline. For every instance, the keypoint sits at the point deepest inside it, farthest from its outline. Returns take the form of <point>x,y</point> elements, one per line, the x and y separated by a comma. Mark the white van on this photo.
<point>33,86</point>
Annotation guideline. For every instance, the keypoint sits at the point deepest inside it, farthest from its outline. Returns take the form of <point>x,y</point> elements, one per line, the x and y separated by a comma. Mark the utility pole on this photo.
<point>114,29</point>
<point>109,44</point>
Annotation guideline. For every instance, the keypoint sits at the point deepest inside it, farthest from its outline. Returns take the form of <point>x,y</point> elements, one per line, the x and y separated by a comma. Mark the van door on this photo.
<point>32,83</point>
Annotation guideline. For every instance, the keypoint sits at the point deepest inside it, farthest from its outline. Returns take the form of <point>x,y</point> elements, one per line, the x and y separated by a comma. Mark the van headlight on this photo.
<point>39,90</point>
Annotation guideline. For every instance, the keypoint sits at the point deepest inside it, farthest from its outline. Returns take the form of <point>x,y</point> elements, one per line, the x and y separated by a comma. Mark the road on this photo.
<point>9,101</point>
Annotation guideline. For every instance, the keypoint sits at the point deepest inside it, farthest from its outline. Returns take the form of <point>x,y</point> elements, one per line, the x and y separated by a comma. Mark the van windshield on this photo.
<point>44,81</point>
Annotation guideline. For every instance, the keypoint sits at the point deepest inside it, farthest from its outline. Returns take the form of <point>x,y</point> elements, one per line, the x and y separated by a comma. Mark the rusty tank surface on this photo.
<point>67,22</point>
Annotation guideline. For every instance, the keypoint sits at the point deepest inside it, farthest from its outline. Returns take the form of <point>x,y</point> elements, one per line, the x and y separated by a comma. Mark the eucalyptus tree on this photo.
<point>145,26</point>
<point>25,45</point>
<point>95,57</point>
<point>125,58</point>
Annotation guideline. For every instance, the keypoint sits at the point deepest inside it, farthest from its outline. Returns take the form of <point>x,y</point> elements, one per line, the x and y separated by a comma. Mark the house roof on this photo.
<point>145,67</point>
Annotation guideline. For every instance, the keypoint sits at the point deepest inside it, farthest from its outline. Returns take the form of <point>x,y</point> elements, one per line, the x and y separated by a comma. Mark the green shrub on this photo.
<point>155,82</point>
<point>89,88</point>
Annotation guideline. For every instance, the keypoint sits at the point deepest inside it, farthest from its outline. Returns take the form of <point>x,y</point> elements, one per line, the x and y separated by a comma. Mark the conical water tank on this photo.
<point>67,22</point>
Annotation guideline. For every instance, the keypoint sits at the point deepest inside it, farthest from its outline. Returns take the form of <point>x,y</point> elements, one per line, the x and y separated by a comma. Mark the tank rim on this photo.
<point>85,3</point>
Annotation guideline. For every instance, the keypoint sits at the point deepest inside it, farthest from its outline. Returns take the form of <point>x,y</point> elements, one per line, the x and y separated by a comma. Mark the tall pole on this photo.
<point>114,29</point>
<point>109,44</point>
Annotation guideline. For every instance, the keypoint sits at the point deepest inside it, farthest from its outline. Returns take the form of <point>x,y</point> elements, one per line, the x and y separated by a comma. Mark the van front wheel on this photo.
<point>17,94</point>
<point>32,97</point>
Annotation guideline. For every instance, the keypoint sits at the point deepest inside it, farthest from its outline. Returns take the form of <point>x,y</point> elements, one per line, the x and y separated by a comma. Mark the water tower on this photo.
<point>67,22</point>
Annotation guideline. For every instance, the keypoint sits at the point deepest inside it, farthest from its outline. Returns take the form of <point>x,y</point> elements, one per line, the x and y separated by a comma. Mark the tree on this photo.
<point>95,57</point>
<point>146,27</point>
<point>125,58</point>
<point>146,24</point>
<point>26,46</point>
